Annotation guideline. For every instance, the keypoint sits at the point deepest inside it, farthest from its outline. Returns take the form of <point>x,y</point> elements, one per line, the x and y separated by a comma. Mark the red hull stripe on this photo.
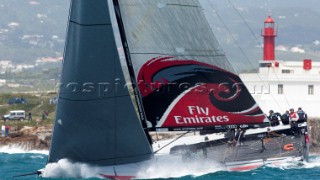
<point>244,168</point>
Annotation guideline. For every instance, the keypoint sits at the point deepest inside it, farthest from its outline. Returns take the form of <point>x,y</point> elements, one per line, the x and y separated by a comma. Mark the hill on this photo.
<point>37,104</point>
<point>32,29</point>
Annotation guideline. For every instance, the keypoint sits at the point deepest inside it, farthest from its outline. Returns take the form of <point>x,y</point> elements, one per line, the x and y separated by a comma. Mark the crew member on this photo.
<point>273,117</point>
<point>302,115</point>
<point>240,136</point>
<point>231,137</point>
<point>285,118</point>
<point>293,117</point>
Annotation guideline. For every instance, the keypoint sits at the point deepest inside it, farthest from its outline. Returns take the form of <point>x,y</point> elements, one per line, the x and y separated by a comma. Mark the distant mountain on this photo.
<point>32,29</point>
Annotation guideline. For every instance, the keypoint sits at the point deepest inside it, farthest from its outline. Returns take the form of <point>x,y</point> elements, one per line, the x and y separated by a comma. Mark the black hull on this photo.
<point>256,148</point>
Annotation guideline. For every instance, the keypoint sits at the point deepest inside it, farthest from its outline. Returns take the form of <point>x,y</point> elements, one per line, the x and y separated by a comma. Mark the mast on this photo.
<point>136,91</point>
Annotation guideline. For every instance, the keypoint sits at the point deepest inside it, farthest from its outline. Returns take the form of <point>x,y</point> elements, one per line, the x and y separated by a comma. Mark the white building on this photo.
<point>5,65</point>
<point>281,85</point>
<point>3,82</point>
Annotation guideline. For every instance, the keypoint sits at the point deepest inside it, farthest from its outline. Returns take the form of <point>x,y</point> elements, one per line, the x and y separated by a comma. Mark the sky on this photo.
<point>237,25</point>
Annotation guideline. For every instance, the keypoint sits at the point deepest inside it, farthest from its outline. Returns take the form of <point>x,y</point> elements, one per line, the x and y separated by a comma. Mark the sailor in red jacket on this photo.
<point>293,117</point>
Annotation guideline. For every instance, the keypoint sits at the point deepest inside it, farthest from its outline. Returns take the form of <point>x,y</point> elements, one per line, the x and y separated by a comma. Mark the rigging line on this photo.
<point>242,51</point>
<point>186,5</point>
<point>27,174</point>
<point>115,172</point>
<point>229,32</point>
<point>252,32</point>
<point>172,141</point>
<point>278,80</point>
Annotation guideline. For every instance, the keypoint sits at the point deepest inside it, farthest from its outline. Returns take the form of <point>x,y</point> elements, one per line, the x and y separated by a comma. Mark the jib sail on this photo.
<point>96,121</point>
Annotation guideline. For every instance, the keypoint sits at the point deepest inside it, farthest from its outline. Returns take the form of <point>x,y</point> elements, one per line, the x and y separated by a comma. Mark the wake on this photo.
<point>314,162</point>
<point>163,167</point>
<point>169,167</point>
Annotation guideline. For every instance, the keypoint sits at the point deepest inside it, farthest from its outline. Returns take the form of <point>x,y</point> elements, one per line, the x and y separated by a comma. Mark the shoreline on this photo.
<point>39,137</point>
<point>29,138</point>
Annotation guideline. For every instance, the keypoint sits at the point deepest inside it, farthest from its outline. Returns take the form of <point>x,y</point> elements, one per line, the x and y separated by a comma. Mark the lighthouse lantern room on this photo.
<point>269,33</point>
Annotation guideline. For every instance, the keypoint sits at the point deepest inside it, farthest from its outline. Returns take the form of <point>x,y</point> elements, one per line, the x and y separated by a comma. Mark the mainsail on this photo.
<point>96,121</point>
<point>185,80</point>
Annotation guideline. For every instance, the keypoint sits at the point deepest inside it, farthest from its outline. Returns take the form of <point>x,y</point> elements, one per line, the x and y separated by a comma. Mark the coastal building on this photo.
<point>43,60</point>
<point>280,85</point>
<point>21,67</point>
<point>5,65</point>
<point>3,82</point>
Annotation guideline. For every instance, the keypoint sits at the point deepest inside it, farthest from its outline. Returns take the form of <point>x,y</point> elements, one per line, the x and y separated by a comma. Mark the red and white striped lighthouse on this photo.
<point>269,34</point>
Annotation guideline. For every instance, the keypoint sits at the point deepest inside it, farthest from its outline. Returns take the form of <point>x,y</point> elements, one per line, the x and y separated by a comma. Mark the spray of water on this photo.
<point>66,169</point>
<point>20,149</point>
<point>314,161</point>
<point>168,166</point>
<point>160,167</point>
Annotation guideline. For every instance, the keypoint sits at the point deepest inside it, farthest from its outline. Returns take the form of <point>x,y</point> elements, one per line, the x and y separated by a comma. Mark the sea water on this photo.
<point>14,161</point>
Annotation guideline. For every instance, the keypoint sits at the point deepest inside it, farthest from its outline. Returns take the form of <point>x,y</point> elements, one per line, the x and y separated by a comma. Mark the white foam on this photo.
<point>160,167</point>
<point>66,169</point>
<point>314,161</point>
<point>37,157</point>
<point>17,149</point>
<point>169,166</point>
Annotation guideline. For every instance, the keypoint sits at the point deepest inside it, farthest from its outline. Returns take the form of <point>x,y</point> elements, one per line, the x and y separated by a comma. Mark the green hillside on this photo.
<point>36,104</point>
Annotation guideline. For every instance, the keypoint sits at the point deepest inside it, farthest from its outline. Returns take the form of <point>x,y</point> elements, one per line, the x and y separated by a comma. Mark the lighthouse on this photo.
<point>283,84</point>
<point>269,34</point>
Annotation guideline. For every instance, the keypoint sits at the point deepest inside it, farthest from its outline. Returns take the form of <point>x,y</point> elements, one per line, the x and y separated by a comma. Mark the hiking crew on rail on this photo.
<point>289,117</point>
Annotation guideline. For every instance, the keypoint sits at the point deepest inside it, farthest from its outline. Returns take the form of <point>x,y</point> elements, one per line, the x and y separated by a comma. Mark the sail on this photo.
<point>184,78</point>
<point>96,121</point>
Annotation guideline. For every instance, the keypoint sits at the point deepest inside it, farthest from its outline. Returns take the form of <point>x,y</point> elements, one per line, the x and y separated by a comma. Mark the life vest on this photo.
<point>293,116</point>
